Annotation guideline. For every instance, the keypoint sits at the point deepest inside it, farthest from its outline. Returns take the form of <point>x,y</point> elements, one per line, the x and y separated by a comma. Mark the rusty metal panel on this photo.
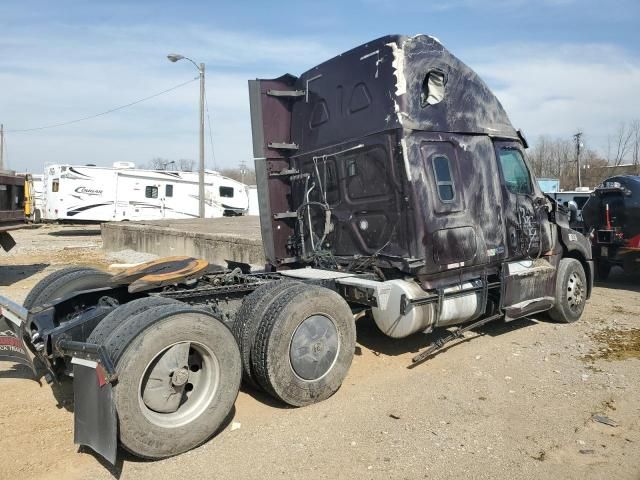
<point>270,115</point>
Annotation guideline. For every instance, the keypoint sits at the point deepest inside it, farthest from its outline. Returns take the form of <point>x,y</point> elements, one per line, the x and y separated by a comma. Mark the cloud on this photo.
<point>59,70</point>
<point>65,72</point>
<point>556,89</point>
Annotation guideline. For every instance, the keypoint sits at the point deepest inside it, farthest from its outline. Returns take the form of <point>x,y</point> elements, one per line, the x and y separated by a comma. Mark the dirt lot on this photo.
<point>509,401</point>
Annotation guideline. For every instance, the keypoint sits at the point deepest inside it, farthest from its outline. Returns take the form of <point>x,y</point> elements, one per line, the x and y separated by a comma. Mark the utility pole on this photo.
<point>243,170</point>
<point>201,172</point>
<point>577,138</point>
<point>1,147</point>
<point>174,57</point>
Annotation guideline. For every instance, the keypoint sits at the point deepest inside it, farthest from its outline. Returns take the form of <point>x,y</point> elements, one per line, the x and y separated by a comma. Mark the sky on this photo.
<point>557,66</point>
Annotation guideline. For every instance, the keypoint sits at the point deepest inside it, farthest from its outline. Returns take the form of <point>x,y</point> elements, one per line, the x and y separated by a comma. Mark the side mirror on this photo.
<point>573,211</point>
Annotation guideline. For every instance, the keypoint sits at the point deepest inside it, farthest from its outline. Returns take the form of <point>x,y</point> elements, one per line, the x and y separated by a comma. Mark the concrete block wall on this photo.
<point>215,243</point>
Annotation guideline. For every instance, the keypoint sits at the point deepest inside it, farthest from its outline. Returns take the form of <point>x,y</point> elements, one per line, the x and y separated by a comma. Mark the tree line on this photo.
<point>553,157</point>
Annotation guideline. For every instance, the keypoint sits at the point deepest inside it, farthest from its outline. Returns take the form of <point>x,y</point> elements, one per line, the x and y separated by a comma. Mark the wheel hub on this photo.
<point>178,383</point>
<point>314,347</point>
<point>575,291</point>
<point>180,377</point>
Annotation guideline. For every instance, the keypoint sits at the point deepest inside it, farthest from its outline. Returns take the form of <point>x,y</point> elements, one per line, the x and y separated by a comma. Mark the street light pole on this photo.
<point>201,179</point>
<point>174,57</point>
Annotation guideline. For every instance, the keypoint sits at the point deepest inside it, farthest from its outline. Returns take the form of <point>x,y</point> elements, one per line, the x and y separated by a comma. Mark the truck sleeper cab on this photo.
<point>396,157</point>
<point>391,185</point>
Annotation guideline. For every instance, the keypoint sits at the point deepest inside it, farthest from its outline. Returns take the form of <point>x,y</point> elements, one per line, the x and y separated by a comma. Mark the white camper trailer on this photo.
<point>254,204</point>
<point>97,194</point>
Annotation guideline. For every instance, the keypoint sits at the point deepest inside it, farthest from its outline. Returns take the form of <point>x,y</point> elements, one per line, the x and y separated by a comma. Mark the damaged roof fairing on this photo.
<point>467,106</point>
<point>386,76</point>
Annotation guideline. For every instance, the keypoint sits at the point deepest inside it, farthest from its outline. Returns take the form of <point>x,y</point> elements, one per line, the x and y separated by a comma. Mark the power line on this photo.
<point>105,112</point>
<point>213,155</point>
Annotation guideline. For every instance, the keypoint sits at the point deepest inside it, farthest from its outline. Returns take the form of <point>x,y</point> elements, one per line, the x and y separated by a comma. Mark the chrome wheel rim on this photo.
<point>575,292</point>
<point>178,384</point>
<point>314,347</point>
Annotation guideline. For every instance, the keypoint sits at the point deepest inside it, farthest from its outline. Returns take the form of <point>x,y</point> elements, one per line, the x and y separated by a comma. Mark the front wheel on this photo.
<point>571,291</point>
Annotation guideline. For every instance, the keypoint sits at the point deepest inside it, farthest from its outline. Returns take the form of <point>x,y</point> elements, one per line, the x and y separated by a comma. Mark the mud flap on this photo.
<point>6,241</point>
<point>95,421</point>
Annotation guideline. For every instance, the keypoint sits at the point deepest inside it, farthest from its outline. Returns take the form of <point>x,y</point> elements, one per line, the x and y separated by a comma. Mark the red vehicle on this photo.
<point>612,216</point>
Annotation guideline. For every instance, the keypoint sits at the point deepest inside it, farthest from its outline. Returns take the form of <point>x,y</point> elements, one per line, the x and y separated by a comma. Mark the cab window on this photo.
<point>444,180</point>
<point>515,172</point>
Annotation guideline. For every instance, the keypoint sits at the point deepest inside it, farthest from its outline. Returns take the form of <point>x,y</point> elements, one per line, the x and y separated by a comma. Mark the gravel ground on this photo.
<point>510,400</point>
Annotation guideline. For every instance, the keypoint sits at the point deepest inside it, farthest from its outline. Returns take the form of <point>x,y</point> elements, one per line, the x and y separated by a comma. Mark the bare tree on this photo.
<point>159,163</point>
<point>236,174</point>
<point>556,158</point>
<point>619,145</point>
<point>186,165</point>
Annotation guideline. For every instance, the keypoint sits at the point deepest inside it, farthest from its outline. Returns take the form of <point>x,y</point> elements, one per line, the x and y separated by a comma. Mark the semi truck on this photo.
<point>612,221</point>
<point>392,187</point>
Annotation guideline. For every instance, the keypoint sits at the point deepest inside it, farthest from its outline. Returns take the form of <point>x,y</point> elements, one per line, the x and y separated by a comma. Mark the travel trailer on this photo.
<point>254,204</point>
<point>74,193</point>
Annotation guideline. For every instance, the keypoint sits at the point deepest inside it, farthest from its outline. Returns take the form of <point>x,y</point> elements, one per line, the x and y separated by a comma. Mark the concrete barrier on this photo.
<point>215,240</point>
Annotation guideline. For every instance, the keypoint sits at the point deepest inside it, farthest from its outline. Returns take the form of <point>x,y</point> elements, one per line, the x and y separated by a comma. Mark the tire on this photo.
<point>120,315</point>
<point>247,322</point>
<point>35,298</point>
<point>603,269</point>
<point>309,319</point>
<point>571,291</point>
<point>139,346</point>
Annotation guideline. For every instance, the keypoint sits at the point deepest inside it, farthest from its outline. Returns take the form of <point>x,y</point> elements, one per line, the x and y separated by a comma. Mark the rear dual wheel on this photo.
<point>61,283</point>
<point>247,321</point>
<point>304,343</point>
<point>64,282</point>
<point>179,372</point>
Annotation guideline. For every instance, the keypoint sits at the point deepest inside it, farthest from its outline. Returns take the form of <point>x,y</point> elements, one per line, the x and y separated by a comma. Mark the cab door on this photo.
<point>529,270</point>
<point>527,227</point>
